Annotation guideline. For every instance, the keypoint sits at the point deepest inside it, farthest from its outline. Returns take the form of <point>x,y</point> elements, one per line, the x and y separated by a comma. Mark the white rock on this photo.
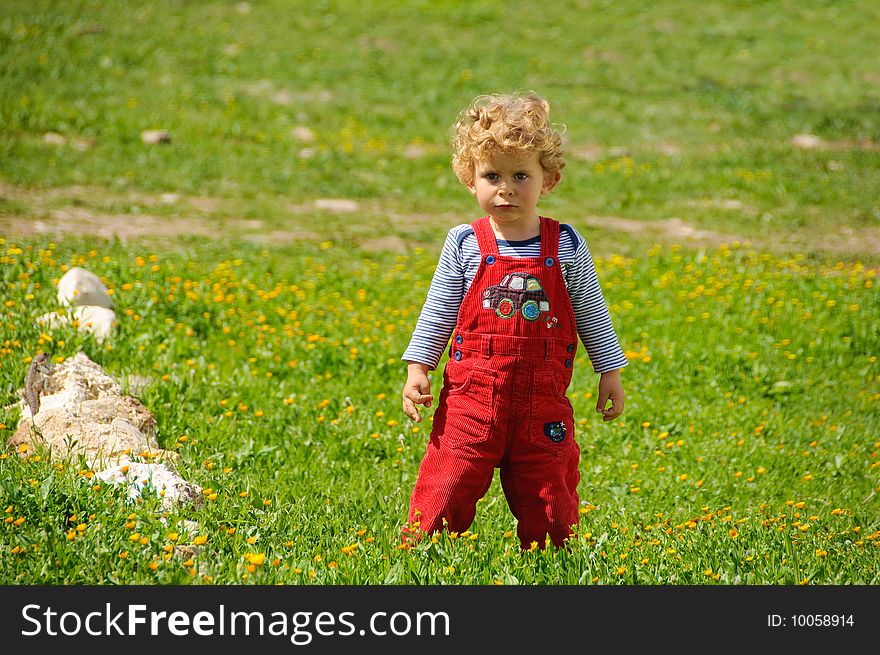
<point>807,141</point>
<point>303,133</point>
<point>82,412</point>
<point>81,287</point>
<point>54,139</point>
<point>138,476</point>
<point>100,321</point>
<point>156,136</point>
<point>72,383</point>
<point>339,205</point>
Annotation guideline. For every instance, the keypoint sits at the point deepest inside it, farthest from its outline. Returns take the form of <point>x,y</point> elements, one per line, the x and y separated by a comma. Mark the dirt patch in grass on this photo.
<point>82,211</point>
<point>77,221</point>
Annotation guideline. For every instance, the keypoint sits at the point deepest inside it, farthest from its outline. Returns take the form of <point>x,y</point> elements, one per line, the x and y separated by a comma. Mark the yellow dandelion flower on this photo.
<point>256,559</point>
<point>200,539</point>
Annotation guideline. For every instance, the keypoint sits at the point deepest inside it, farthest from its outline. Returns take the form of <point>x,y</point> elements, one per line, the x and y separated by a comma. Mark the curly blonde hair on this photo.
<point>507,123</point>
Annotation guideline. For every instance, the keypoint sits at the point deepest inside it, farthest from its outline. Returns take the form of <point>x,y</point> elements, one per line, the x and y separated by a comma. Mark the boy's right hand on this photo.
<point>416,391</point>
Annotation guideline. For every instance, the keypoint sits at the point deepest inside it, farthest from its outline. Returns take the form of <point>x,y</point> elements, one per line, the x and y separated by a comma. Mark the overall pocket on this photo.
<point>551,420</point>
<point>469,409</point>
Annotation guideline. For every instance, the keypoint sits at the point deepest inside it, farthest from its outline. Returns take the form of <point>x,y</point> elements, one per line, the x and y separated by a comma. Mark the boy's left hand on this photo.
<point>610,388</point>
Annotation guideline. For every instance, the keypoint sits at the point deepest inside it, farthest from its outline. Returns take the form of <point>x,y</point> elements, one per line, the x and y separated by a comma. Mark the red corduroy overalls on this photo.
<point>503,401</point>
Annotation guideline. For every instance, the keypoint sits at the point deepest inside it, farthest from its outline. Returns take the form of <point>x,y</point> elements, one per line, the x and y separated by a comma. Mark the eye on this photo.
<point>522,176</point>
<point>490,175</point>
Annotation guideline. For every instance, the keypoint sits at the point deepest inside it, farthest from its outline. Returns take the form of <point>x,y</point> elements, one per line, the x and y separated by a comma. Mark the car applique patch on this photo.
<point>517,292</point>
<point>555,431</point>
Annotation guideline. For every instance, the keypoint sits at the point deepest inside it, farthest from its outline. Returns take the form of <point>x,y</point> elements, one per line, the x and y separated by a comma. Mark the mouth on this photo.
<point>505,206</point>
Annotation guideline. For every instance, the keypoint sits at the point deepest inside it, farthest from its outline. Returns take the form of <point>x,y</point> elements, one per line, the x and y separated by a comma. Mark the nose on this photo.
<point>505,189</point>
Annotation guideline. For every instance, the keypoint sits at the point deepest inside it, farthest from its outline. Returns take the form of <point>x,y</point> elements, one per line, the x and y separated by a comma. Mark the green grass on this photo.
<point>748,452</point>
<point>703,100</point>
<point>752,406</point>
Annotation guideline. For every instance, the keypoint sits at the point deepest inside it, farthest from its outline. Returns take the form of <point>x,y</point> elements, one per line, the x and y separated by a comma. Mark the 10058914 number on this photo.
<point>821,620</point>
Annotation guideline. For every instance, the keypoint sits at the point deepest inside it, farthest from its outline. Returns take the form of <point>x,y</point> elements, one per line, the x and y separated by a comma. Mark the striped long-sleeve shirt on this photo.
<point>457,267</point>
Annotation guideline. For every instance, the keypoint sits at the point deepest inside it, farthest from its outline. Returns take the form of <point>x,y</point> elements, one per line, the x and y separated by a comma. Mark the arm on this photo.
<point>434,327</point>
<point>596,331</point>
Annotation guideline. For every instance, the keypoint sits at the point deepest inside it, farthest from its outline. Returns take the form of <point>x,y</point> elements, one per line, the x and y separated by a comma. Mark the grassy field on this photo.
<point>739,263</point>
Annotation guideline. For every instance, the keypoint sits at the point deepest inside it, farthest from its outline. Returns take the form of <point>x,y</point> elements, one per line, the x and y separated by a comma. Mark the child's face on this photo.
<point>508,187</point>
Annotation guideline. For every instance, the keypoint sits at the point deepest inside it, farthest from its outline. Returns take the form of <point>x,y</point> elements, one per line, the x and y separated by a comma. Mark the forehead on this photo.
<point>508,160</point>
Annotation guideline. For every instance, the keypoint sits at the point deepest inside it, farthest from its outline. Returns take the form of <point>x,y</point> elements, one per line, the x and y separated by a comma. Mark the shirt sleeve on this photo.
<point>591,315</point>
<point>440,311</point>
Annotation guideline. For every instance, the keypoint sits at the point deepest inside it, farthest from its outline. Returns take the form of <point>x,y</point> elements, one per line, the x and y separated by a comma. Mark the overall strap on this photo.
<point>485,236</point>
<point>549,238</point>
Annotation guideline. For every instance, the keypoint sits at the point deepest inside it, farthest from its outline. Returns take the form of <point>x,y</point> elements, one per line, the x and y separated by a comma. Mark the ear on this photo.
<point>550,181</point>
<point>472,187</point>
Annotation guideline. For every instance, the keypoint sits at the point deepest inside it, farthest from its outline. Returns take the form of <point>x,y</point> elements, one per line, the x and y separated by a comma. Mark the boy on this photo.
<point>518,290</point>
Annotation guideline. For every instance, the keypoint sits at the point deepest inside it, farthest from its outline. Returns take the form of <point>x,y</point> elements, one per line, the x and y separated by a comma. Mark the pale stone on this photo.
<point>81,287</point>
<point>807,141</point>
<point>155,136</point>
<point>303,133</point>
<point>54,139</point>
<point>339,205</point>
<point>67,434</point>
<point>161,480</point>
<point>82,412</point>
<point>72,383</point>
<point>100,321</point>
